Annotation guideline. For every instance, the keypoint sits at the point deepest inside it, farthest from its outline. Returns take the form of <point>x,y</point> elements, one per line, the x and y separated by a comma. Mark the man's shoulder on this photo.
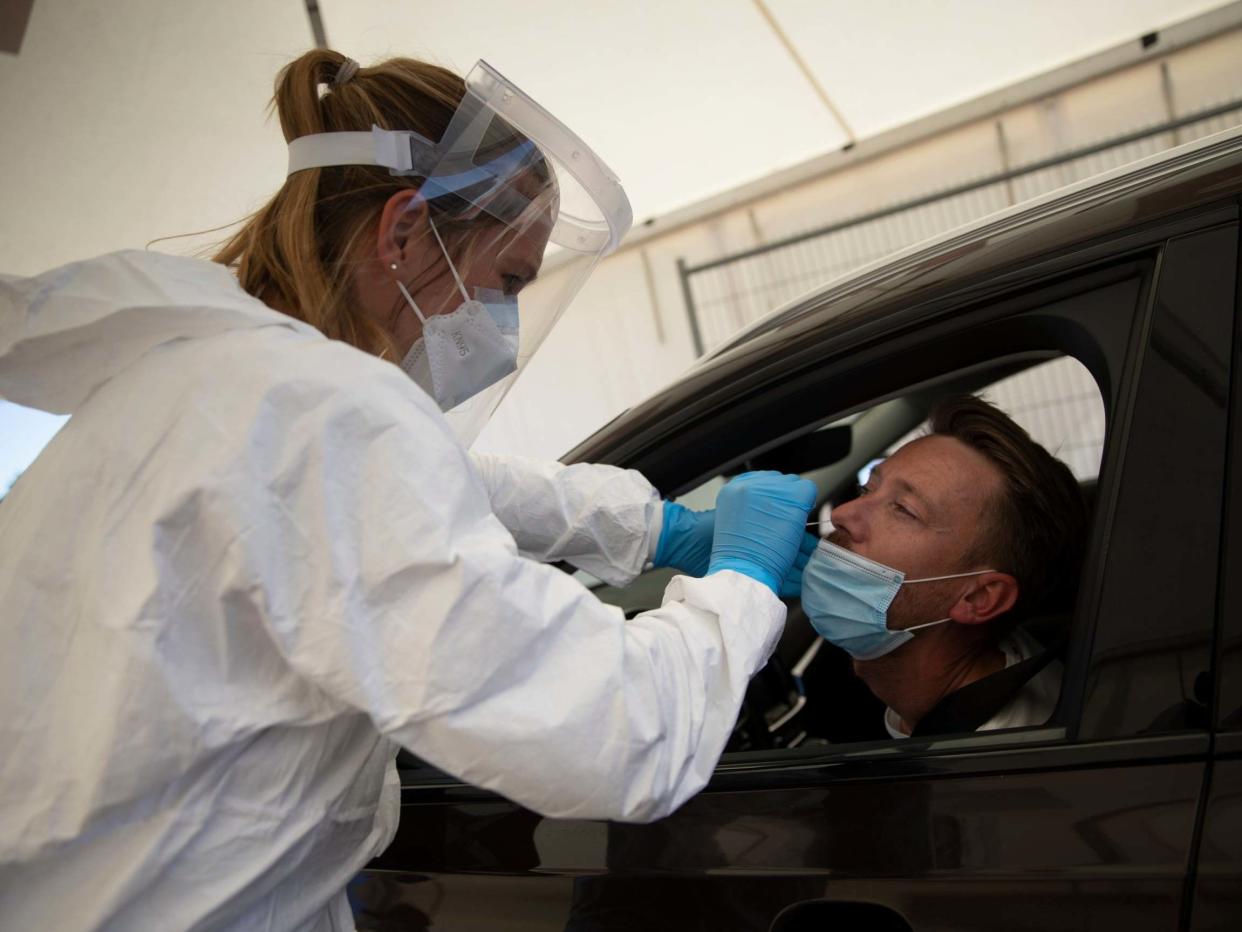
<point>1037,700</point>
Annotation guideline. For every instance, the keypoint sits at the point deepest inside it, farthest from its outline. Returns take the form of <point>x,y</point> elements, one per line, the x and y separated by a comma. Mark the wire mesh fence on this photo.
<point>727,294</point>
<point>1057,402</point>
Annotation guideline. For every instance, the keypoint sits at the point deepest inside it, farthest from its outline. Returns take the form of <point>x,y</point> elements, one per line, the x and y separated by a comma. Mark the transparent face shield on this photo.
<point>512,215</point>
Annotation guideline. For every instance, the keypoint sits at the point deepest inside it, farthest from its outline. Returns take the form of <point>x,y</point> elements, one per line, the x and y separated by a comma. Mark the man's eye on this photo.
<point>904,510</point>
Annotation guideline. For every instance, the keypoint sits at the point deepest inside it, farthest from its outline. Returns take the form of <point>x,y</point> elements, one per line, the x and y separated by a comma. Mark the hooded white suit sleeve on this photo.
<point>385,579</point>
<point>250,561</point>
<point>601,519</point>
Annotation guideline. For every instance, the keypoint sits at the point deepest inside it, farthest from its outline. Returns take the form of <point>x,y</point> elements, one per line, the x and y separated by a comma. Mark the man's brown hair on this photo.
<point>1036,531</point>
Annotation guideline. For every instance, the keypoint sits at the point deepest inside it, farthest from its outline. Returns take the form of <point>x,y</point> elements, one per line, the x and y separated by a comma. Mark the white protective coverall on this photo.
<point>255,561</point>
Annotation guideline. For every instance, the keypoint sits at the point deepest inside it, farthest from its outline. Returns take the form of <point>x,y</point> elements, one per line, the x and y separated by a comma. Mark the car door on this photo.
<point>1217,899</point>
<point>1088,822</point>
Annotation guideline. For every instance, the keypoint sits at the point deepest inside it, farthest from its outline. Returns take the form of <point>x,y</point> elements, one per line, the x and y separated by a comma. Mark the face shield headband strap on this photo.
<point>394,150</point>
<point>451,179</point>
<point>404,152</point>
<point>456,165</point>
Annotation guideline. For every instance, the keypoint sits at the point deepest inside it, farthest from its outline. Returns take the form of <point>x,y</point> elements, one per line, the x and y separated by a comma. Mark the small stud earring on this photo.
<point>393,266</point>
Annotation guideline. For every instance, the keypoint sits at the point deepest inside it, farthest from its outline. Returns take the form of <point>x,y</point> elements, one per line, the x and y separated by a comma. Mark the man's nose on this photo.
<point>850,518</point>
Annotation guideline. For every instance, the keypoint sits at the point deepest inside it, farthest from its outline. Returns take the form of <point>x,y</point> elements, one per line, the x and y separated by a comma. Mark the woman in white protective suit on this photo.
<point>258,557</point>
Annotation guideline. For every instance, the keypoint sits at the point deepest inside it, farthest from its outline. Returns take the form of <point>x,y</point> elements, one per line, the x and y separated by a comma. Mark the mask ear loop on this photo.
<point>409,299</point>
<point>928,624</point>
<point>906,582</point>
<point>461,286</point>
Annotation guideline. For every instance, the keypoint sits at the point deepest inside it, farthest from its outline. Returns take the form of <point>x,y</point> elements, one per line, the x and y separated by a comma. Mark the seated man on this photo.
<point>925,573</point>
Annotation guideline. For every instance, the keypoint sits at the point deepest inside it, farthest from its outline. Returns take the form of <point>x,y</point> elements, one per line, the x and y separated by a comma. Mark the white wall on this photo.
<point>116,114</point>
<point>606,356</point>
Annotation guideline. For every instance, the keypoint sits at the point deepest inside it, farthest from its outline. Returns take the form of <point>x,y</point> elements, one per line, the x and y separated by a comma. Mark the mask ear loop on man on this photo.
<point>928,624</point>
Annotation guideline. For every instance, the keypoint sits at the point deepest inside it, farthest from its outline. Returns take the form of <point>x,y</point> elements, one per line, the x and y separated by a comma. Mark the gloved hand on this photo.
<point>791,585</point>
<point>761,525</point>
<point>686,539</point>
<point>686,544</point>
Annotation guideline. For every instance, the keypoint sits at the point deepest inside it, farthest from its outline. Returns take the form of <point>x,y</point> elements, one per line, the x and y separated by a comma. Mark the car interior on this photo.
<point>807,694</point>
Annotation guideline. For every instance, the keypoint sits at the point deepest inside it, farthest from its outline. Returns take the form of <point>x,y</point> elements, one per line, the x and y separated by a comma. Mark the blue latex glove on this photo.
<point>791,585</point>
<point>761,525</point>
<point>686,539</point>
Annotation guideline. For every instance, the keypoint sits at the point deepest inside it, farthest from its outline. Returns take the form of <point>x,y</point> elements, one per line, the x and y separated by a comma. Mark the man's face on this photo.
<point>923,512</point>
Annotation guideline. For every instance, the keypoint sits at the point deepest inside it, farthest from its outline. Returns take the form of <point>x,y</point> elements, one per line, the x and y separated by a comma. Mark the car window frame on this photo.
<point>1079,659</point>
<point>1073,270</point>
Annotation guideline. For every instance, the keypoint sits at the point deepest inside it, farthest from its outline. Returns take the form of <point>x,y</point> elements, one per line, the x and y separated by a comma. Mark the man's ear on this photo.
<point>401,221</point>
<point>991,594</point>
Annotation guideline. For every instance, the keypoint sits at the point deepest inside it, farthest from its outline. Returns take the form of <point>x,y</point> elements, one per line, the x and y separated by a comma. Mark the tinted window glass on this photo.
<point>1229,669</point>
<point>1156,612</point>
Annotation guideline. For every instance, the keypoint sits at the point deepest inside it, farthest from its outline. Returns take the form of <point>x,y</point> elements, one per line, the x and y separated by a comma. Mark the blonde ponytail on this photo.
<point>297,252</point>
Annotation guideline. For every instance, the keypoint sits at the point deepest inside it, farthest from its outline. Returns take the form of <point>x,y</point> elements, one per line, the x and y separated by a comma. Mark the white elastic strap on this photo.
<point>927,624</point>
<point>457,278</point>
<point>906,582</point>
<point>320,150</point>
<point>390,149</point>
<point>345,73</point>
<point>409,299</point>
<point>934,579</point>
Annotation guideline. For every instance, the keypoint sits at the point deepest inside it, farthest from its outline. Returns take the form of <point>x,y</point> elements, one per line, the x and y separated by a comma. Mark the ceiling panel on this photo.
<point>136,119</point>
<point>887,62</point>
<point>682,99</point>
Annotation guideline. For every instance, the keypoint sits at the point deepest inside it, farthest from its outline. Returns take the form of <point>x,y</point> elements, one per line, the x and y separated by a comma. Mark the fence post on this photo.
<point>691,312</point>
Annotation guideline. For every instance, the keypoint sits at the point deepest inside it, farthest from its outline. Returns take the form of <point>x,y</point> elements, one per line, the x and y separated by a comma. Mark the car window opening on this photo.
<point>808,695</point>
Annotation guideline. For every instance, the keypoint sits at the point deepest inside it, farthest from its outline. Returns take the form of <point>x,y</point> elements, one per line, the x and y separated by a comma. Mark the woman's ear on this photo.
<point>404,214</point>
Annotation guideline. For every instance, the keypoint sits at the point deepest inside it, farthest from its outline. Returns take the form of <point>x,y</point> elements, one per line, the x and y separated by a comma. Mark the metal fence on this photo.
<point>729,293</point>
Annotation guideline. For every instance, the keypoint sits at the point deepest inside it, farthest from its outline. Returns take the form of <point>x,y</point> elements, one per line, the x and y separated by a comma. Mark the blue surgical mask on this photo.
<point>504,310</point>
<point>846,597</point>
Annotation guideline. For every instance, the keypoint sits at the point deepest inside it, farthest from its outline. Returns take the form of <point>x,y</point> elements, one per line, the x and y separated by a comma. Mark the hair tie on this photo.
<point>345,73</point>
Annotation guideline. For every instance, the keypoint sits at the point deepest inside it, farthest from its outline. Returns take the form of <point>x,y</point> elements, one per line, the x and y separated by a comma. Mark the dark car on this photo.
<point>1109,310</point>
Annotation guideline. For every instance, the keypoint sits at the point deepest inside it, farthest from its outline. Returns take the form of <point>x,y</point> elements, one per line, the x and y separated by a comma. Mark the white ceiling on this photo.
<point>133,119</point>
<point>687,98</point>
